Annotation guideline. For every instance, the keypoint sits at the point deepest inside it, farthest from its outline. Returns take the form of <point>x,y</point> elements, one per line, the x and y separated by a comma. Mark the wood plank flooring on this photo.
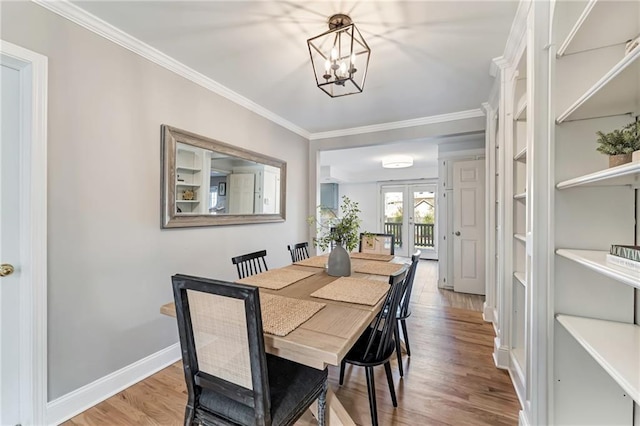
<point>449,379</point>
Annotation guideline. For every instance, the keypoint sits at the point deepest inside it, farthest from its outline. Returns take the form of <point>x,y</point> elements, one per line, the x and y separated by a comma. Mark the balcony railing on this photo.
<point>422,234</point>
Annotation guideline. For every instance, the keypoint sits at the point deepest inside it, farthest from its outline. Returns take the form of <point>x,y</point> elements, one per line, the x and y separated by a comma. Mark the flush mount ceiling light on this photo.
<point>397,162</point>
<point>334,55</point>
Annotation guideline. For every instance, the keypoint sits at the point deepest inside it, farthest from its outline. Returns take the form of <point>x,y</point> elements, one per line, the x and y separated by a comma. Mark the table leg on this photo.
<point>335,414</point>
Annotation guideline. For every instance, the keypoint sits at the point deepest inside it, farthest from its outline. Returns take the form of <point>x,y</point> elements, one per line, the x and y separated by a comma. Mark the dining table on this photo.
<point>325,338</point>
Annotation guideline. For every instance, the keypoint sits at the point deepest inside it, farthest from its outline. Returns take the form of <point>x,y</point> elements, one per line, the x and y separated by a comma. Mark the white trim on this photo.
<point>517,32</point>
<point>85,19</point>
<point>487,312</point>
<point>501,355</point>
<point>81,399</point>
<point>33,231</point>
<point>434,119</point>
<point>522,419</point>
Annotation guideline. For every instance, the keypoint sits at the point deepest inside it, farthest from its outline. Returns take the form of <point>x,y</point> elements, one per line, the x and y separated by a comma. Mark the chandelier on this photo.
<point>334,56</point>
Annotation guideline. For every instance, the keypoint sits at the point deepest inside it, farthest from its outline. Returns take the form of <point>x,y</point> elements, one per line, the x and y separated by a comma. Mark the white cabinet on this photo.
<point>596,354</point>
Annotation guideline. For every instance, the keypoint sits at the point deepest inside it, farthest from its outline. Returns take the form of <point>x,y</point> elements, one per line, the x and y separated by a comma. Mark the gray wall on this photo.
<point>109,263</point>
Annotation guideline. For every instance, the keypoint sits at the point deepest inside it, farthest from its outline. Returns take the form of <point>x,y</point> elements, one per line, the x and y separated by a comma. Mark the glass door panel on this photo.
<point>394,220</point>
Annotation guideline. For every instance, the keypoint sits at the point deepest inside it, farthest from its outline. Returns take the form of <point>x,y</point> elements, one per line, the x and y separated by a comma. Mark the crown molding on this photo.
<point>91,22</point>
<point>517,32</point>
<point>434,119</point>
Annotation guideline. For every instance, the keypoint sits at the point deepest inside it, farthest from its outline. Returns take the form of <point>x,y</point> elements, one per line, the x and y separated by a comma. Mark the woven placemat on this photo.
<point>377,268</point>
<point>281,315</point>
<point>315,261</point>
<point>372,256</point>
<point>275,279</point>
<point>353,290</point>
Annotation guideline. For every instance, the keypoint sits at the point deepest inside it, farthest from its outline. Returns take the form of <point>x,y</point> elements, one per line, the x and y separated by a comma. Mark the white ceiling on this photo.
<point>428,57</point>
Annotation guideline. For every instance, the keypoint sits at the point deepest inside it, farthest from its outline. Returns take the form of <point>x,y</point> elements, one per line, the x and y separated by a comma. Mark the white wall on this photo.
<point>109,262</point>
<point>367,196</point>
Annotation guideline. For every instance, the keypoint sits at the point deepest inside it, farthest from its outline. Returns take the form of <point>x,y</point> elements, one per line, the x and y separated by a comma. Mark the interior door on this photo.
<point>468,227</point>
<point>10,247</point>
<point>240,193</point>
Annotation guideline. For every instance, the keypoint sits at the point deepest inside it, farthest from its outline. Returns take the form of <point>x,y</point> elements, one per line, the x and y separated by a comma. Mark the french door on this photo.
<point>409,213</point>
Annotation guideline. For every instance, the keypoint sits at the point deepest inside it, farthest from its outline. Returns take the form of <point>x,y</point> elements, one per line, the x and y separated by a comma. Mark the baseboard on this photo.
<point>81,399</point>
<point>487,312</point>
<point>522,419</point>
<point>500,355</point>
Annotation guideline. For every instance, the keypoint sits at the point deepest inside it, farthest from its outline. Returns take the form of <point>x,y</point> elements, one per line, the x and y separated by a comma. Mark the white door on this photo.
<point>240,193</point>
<point>10,247</point>
<point>468,227</point>
<point>422,221</point>
<point>394,218</point>
<point>23,235</point>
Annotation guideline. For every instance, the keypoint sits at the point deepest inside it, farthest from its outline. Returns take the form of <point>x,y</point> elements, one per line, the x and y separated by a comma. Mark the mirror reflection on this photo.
<point>207,182</point>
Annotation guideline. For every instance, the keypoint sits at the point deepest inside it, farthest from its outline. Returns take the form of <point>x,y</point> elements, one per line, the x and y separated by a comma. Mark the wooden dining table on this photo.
<point>327,336</point>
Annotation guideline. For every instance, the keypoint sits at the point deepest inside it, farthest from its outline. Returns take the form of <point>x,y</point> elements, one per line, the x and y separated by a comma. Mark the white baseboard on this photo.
<point>500,355</point>
<point>487,312</point>
<point>522,419</point>
<point>81,399</point>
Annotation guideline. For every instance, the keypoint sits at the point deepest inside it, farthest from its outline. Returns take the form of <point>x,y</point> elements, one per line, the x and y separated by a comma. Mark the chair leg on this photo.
<point>342,365</point>
<point>322,403</point>
<point>398,351</point>
<point>189,415</point>
<point>387,368</point>
<point>406,336</point>
<point>372,396</point>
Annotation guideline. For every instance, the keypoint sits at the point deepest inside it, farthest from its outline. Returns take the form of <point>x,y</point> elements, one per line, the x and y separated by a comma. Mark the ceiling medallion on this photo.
<point>334,55</point>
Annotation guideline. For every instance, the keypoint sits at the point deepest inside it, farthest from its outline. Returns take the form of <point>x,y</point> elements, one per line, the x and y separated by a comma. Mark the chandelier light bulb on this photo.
<point>327,66</point>
<point>343,69</point>
<point>334,54</point>
<point>353,60</point>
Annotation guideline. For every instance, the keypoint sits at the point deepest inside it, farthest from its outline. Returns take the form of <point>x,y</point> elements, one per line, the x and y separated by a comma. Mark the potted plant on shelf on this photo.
<point>341,233</point>
<point>619,144</point>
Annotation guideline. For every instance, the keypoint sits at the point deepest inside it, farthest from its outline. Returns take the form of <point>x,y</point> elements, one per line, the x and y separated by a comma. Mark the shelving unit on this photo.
<point>596,351</point>
<point>193,167</point>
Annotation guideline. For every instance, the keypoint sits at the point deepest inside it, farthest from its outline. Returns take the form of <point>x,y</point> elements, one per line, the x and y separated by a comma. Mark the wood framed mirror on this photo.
<point>206,182</point>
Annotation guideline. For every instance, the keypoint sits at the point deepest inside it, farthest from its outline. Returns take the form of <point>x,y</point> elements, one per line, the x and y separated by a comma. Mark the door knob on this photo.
<point>457,233</point>
<point>6,269</point>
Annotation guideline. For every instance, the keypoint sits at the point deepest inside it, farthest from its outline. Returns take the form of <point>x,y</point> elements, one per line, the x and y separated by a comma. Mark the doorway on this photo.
<point>409,213</point>
<point>23,236</point>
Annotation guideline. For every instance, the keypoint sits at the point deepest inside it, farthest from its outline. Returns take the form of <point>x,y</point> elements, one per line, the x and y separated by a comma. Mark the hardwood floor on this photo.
<point>449,379</point>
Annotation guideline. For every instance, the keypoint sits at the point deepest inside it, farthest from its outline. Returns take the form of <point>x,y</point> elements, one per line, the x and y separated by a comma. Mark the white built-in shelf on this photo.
<point>580,21</point>
<point>613,345</point>
<point>521,196</point>
<point>194,185</point>
<point>187,201</point>
<point>522,155</point>
<point>521,109</point>
<point>520,278</point>
<point>599,101</point>
<point>520,237</point>
<point>597,261</point>
<point>626,174</point>
<point>187,169</point>
<point>595,24</point>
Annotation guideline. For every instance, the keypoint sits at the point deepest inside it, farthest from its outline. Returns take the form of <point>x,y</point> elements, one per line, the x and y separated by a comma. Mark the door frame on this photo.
<point>33,68</point>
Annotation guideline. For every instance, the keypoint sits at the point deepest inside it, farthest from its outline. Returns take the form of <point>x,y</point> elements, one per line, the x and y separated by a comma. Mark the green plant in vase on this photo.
<point>340,233</point>
<point>620,143</point>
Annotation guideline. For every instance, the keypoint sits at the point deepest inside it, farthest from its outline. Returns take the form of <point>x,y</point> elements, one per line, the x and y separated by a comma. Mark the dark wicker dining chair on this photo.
<point>230,379</point>
<point>377,243</point>
<point>299,252</point>
<point>251,263</point>
<point>403,312</point>
<point>376,345</point>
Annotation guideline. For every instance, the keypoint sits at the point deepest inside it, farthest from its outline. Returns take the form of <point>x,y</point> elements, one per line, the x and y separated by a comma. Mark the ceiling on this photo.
<point>428,57</point>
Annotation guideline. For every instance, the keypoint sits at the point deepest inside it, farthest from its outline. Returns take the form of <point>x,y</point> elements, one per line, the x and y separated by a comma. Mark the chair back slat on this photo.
<point>251,263</point>
<point>408,286</point>
<point>396,285</point>
<point>377,243</point>
<point>299,252</point>
<point>220,329</point>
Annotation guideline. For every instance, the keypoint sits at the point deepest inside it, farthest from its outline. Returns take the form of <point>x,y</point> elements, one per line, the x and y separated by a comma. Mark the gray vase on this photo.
<point>339,264</point>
